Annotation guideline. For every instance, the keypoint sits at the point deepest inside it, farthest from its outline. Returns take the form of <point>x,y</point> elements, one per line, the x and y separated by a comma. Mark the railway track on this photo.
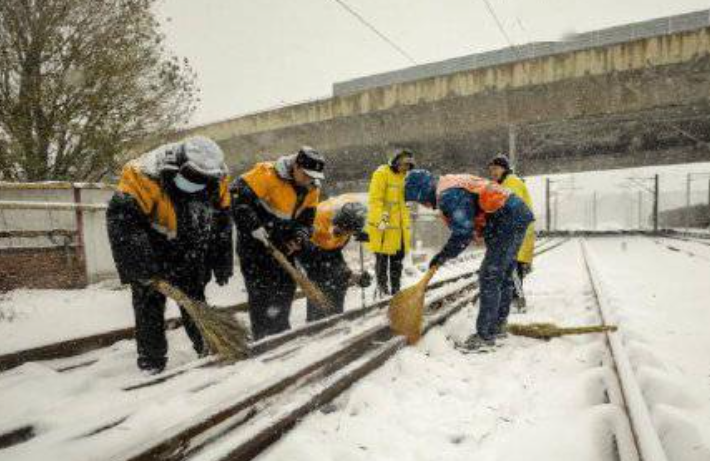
<point>636,439</point>
<point>82,345</point>
<point>77,346</point>
<point>262,418</point>
<point>359,351</point>
<point>672,246</point>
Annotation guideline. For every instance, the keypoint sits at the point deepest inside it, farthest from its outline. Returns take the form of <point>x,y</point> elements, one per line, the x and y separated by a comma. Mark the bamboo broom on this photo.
<point>223,334</point>
<point>312,292</point>
<point>406,309</point>
<point>550,330</point>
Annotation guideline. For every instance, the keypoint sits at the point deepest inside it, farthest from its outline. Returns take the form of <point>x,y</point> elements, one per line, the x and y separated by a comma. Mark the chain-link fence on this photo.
<point>636,199</point>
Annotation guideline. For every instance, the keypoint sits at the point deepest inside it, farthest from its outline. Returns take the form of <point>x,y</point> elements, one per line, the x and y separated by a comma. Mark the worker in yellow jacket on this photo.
<point>500,171</point>
<point>388,221</point>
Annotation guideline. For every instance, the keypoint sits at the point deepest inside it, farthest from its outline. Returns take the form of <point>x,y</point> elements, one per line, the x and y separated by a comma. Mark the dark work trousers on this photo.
<point>149,311</point>
<point>270,289</point>
<point>388,269</point>
<point>328,270</point>
<point>503,234</point>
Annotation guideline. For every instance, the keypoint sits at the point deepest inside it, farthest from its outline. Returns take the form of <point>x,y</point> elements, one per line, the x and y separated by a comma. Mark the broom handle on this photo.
<point>174,293</point>
<point>362,270</point>
<point>428,276</point>
<point>288,267</point>
<point>284,262</point>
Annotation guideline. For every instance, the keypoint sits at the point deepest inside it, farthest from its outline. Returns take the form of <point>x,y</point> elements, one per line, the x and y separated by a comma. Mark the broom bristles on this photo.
<point>406,309</point>
<point>223,334</point>
<point>550,330</point>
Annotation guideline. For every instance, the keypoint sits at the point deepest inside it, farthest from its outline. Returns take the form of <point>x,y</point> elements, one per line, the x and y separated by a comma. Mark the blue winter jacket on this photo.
<point>458,206</point>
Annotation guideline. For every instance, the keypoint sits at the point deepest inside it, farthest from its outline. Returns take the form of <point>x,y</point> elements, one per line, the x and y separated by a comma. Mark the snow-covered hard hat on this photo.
<point>203,157</point>
<point>351,217</point>
<point>311,161</point>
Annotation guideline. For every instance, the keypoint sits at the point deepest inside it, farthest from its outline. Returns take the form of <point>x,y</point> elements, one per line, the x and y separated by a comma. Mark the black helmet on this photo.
<point>350,217</point>
<point>501,161</point>
<point>312,162</point>
<point>403,154</point>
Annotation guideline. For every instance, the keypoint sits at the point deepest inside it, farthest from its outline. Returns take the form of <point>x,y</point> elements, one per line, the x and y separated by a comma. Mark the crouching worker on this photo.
<point>274,204</point>
<point>472,207</point>
<point>170,220</point>
<point>337,221</point>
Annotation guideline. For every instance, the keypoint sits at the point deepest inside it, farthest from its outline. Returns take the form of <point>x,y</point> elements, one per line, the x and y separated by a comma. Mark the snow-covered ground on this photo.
<point>539,400</point>
<point>66,408</point>
<point>528,400</point>
<point>661,299</point>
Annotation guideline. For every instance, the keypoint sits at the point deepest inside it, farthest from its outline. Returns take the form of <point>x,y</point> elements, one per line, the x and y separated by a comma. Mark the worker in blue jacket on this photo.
<point>474,207</point>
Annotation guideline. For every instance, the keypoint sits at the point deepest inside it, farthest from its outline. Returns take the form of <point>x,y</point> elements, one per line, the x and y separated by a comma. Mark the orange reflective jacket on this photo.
<point>491,196</point>
<point>277,195</point>
<point>323,235</point>
<point>154,201</point>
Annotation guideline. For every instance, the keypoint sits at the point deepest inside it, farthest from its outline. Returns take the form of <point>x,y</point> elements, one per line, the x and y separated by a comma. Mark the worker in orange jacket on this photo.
<point>274,204</point>
<point>169,219</point>
<point>337,221</point>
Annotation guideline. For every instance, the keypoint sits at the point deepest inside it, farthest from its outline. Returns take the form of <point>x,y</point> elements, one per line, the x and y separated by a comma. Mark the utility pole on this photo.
<point>512,146</point>
<point>655,203</point>
<point>687,203</point>
<point>548,216</point>
<point>557,210</point>
<point>640,209</point>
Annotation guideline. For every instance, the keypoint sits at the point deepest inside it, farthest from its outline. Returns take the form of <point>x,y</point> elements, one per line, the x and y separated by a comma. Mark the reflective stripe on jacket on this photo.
<point>154,200</point>
<point>277,195</point>
<point>386,197</point>
<point>517,186</point>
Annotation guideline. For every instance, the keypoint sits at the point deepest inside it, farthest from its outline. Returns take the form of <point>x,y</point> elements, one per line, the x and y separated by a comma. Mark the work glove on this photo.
<point>261,235</point>
<point>362,237</point>
<point>437,261</point>
<point>221,279</point>
<point>363,280</point>
<point>525,268</point>
<point>384,221</point>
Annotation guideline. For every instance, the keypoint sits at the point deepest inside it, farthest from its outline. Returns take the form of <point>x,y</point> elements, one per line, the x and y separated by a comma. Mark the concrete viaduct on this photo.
<point>576,105</point>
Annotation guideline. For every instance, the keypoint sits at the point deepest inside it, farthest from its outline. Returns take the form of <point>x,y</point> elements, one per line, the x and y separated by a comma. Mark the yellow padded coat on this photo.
<point>517,186</point>
<point>386,199</point>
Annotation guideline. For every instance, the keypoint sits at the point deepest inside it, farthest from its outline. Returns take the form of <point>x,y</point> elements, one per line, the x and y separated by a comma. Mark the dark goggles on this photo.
<point>310,163</point>
<point>194,176</point>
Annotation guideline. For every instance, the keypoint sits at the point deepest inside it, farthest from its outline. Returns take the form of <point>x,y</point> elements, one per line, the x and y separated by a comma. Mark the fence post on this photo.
<point>80,246</point>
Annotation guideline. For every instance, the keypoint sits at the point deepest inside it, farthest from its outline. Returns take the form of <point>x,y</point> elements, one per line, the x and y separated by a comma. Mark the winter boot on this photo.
<point>476,343</point>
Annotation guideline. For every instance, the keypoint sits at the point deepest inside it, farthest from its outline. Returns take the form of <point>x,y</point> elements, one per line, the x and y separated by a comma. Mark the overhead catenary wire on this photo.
<point>376,31</point>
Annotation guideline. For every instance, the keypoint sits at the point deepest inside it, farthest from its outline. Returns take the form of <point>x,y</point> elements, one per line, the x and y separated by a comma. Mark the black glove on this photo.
<point>525,268</point>
<point>363,237</point>
<point>437,261</point>
<point>363,280</point>
<point>221,278</point>
<point>246,218</point>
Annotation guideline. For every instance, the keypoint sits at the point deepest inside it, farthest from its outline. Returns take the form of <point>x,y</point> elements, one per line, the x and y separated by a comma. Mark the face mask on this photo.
<point>187,186</point>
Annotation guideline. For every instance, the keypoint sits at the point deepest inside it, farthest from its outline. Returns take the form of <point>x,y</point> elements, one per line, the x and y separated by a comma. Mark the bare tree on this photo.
<point>80,82</point>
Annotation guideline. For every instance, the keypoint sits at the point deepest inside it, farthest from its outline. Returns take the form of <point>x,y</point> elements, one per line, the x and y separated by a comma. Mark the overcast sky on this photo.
<point>251,55</point>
